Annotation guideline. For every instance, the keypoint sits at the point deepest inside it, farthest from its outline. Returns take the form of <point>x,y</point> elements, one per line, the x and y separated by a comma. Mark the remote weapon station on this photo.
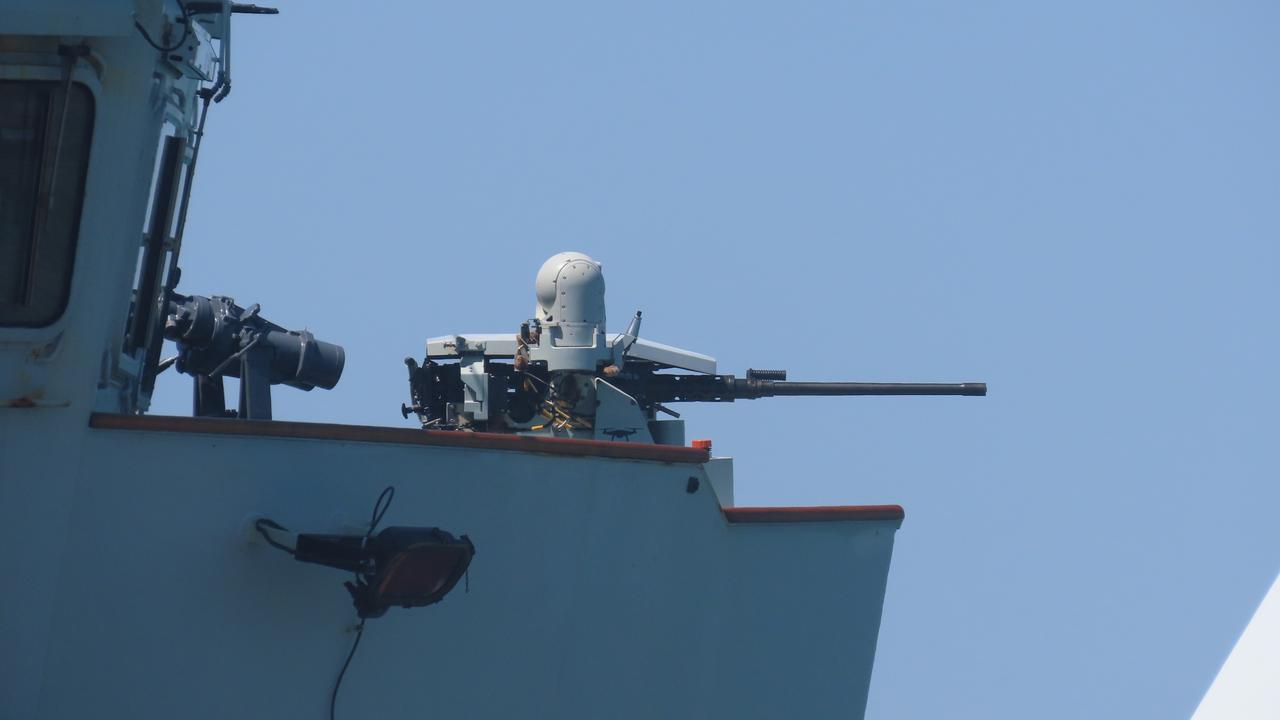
<point>563,375</point>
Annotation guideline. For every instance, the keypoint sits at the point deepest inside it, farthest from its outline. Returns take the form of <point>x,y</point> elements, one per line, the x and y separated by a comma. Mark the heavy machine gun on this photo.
<point>561,374</point>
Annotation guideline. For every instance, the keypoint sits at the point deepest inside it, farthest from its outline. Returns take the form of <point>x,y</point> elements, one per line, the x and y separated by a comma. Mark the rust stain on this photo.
<point>45,352</point>
<point>28,400</point>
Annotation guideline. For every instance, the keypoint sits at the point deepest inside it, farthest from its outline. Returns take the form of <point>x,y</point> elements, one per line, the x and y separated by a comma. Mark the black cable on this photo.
<point>531,376</point>
<point>389,494</point>
<point>380,508</point>
<point>262,523</point>
<point>333,698</point>
<point>186,31</point>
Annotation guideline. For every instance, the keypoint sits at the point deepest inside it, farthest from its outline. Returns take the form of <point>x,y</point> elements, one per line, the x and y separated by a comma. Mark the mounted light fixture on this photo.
<point>405,566</point>
<point>400,566</point>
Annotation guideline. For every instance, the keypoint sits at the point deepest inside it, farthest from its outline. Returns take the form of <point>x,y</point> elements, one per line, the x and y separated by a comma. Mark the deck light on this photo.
<point>405,566</point>
<point>400,566</point>
<point>413,567</point>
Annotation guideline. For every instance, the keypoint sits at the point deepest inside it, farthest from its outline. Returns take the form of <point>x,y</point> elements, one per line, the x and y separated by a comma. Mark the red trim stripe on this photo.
<point>400,436</point>
<point>831,513</point>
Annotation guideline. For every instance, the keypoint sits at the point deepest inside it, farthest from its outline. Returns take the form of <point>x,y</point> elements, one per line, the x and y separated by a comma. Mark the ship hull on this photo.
<point>602,586</point>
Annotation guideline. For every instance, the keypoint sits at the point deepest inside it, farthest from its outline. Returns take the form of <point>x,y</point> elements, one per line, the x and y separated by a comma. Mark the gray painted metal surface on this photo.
<point>600,588</point>
<point>134,587</point>
<point>503,345</point>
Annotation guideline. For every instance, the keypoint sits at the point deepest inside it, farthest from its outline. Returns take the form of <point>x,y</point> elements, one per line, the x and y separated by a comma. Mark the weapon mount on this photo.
<point>562,374</point>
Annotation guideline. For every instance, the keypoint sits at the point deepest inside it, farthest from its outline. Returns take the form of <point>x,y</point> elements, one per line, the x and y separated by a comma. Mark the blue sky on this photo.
<point>1077,203</point>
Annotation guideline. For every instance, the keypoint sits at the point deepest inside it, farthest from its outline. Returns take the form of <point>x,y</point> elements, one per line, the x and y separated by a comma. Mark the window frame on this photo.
<point>53,73</point>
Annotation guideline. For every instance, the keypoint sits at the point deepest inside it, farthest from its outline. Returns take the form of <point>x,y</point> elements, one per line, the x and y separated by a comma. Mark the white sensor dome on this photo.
<point>570,289</point>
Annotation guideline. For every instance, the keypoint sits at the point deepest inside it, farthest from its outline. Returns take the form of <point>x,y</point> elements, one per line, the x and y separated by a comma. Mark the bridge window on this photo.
<point>45,135</point>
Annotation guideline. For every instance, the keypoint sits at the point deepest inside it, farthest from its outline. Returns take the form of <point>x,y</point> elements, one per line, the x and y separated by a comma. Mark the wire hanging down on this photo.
<point>186,31</point>
<point>333,697</point>
<point>380,508</point>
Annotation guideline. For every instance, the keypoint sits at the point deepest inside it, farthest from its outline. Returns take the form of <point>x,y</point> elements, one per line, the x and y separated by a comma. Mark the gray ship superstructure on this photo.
<point>544,545</point>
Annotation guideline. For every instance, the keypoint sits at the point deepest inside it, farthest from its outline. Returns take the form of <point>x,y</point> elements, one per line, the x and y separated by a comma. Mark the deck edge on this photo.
<point>829,513</point>
<point>399,436</point>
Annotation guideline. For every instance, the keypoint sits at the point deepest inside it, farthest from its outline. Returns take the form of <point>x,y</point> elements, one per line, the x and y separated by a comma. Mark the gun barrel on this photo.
<point>664,388</point>
<point>778,388</point>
